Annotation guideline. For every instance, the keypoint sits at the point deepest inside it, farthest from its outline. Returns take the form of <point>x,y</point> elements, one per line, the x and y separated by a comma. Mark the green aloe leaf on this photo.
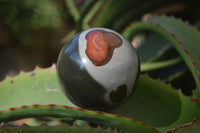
<point>153,102</point>
<point>52,110</point>
<point>192,127</point>
<point>84,12</point>
<point>157,44</point>
<point>183,37</point>
<point>92,13</point>
<point>150,103</point>
<point>44,128</point>
<point>159,64</point>
<point>158,105</point>
<point>115,9</point>
<point>80,16</point>
<point>41,87</point>
<point>37,87</point>
<point>121,12</point>
<point>73,9</point>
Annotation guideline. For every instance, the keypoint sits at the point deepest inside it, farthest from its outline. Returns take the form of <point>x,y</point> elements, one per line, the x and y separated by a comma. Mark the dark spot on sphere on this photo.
<point>118,95</point>
<point>11,81</point>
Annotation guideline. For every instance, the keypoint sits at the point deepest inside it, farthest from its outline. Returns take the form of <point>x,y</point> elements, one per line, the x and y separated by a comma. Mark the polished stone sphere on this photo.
<point>97,69</point>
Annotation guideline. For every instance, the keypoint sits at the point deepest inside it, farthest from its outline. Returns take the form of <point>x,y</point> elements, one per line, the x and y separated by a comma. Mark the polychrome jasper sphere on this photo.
<point>98,69</point>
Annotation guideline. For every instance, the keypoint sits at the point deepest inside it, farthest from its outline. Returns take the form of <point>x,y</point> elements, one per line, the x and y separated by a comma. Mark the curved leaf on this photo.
<point>158,105</point>
<point>189,111</point>
<point>44,128</point>
<point>157,65</point>
<point>83,13</point>
<point>92,13</point>
<point>115,121</point>
<point>158,45</point>
<point>183,37</point>
<point>152,102</point>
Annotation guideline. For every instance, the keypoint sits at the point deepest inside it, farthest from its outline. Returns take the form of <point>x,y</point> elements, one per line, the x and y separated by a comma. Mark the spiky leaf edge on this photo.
<point>44,127</point>
<point>146,25</point>
<point>62,111</point>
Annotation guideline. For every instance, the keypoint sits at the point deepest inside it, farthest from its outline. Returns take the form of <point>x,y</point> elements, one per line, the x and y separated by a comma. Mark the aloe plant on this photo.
<point>168,49</point>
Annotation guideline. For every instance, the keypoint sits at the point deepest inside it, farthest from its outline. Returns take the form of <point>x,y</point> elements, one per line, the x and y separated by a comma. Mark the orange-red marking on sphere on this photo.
<point>100,46</point>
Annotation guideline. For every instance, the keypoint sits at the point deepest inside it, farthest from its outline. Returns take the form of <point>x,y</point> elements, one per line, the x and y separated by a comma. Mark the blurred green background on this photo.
<point>31,33</point>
